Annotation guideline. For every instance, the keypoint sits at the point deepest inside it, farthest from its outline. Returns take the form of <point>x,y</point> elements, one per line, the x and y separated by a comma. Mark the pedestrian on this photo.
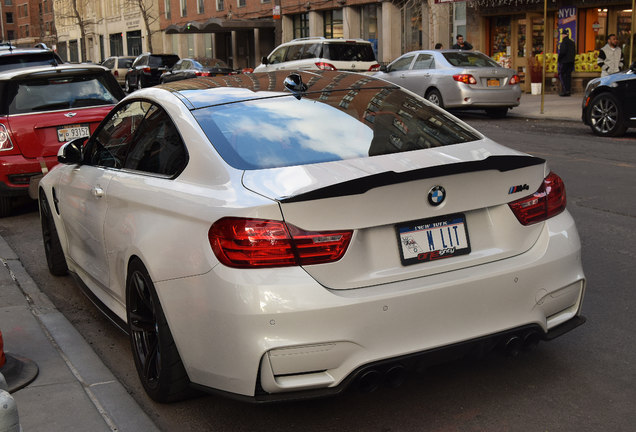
<point>610,57</point>
<point>439,46</point>
<point>565,60</point>
<point>462,44</point>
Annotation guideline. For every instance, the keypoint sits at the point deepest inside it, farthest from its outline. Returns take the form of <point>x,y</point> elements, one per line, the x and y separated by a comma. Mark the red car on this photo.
<point>40,109</point>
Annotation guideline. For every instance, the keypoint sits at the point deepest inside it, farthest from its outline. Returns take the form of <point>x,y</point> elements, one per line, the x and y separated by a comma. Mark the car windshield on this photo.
<point>212,63</point>
<point>349,52</point>
<point>469,59</point>
<point>58,92</point>
<point>326,126</point>
<point>14,61</point>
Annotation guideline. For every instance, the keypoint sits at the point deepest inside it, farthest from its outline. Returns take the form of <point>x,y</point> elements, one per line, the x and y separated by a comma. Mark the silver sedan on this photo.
<point>456,79</point>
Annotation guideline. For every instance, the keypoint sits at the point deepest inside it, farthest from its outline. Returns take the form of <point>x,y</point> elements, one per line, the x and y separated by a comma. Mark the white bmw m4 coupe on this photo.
<point>282,235</point>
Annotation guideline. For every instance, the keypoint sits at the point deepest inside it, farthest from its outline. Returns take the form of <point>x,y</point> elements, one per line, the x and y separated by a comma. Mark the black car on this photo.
<point>13,58</point>
<point>196,67</point>
<point>146,70</point>
<point>608,105</point>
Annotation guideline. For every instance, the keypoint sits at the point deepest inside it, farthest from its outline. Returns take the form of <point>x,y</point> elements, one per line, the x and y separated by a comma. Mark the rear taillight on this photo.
<point>545,203</point>
<point>260,243</point>
<point>325,66</point>
<point>199,73</point>
<point>116,72</point>
<point>5,139</point>
<point>514,80</point>
<point>375,68</point>
<point>146,70</point>
<point>465,78</point>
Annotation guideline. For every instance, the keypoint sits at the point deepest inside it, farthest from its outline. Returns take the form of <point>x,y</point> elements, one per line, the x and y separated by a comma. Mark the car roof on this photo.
<point>16,51</point>
<point>309,40</point>
<point>211,91</point>
<point>20,73</point>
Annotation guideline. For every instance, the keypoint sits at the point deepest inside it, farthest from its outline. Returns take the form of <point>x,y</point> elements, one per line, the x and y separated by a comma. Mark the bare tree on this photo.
<point>75,13</point>
<point>148,15</point>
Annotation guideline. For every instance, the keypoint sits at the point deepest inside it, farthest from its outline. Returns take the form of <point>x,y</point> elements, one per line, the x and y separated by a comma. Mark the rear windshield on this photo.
<point>349,52</point>
<point>25,60</point>
<point>469,59</point>
<point>158,61</point>
<point>59,92</point>
<point>326,126</point>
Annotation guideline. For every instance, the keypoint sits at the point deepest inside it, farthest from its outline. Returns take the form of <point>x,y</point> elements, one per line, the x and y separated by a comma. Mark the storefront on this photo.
<point>512,32</point>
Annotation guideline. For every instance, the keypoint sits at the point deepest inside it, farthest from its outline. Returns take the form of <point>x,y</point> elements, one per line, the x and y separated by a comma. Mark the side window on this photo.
<point>278,56</point>
<point>294,52</point>
<point>312,51</point>
<point>112,142</point>
<point>157,147</point>
<point>401,63</point>
<point>424,61</point>
<point>109,63</point>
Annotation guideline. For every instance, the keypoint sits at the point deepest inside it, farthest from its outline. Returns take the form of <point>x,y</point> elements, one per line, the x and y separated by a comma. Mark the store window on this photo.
<point>413,33</point>
<point>333,24</point>
<point>369,25</point>
<point>624,32</point>
<point>459,20</point>
<point>301,25</point>
<point>500,36</point>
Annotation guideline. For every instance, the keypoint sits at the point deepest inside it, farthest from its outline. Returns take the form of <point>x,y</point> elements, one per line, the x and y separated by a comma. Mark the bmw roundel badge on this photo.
<point>436,195</point>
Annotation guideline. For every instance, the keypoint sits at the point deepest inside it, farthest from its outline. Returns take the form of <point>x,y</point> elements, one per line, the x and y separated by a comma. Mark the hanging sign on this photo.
<point>276,12</point>
<point>567,23</point>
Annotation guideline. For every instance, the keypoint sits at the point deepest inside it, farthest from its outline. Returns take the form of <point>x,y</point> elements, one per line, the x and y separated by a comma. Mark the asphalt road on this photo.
<point>583,381</point>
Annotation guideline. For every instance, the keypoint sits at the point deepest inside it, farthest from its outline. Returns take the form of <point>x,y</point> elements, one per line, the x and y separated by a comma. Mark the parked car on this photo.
<point>280,236</point>
<point>196,67</point>
<point>146,70</point>
<point>119,66</point>
<point>314,53</point>
<point>12,58</point>
<point>456,79</point>
<point>609,104</point>
<point>41,108</point>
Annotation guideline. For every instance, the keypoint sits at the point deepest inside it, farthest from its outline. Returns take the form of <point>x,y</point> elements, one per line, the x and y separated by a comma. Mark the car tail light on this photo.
<point>375,68</point>
<point>5,139</point>
<point>260,243</point>
<point>146,70</point>
<point>465,78</point>
<point>514,80</point>
<point>545,203</point>
<point>325,66</point>
<point>116,73</point>
<point>198,73</point>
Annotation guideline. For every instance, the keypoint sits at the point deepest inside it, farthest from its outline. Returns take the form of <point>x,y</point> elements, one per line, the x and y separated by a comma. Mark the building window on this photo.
<point>9,17</point>
<point>241,3</point>
<point>10,35</point>
<point>301,25</point>
<point>26,31</point>
<point>200,6</point>
<point>166,6</point>
<point>459,20</point>
<point>184,8</point>
<point>219,5</point>
<point>8,2</point>
<point>333,24</point>
<point>266,1</point>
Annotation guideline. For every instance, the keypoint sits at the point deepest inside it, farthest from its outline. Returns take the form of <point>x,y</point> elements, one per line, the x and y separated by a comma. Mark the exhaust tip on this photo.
<point>369,381</point>
<point>395,376</point>
<point>513,346</point>
<point>531,340</point>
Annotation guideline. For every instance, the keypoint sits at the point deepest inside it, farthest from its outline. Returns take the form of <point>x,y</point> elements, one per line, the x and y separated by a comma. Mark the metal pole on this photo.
<point>545,49</point>
<point>631,37</point>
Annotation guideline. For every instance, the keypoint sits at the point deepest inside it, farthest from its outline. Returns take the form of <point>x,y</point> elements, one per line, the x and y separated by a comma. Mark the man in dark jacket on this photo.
<point>462,44</point>
<point>567,52</point>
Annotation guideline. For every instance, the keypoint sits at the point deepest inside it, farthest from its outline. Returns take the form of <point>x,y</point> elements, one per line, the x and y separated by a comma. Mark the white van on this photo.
<point>316,53</point>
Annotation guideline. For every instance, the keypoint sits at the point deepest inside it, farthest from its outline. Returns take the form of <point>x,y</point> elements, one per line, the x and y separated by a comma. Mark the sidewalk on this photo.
<point>73,390</point>
<point>555,107</point>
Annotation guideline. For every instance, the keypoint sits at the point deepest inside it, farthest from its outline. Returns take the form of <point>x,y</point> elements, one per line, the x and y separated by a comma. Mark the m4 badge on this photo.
<point>520,188</point>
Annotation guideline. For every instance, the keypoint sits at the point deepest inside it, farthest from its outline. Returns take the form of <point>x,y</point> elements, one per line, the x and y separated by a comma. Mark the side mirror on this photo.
<point>384,68</point>
<point>72,153</point>
<point>264,61</point>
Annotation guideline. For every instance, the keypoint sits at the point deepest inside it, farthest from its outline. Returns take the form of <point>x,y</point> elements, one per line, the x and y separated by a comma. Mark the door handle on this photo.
<point>98,192</point>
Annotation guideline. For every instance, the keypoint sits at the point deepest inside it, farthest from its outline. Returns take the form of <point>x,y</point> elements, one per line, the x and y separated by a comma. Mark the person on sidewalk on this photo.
<point>565,60</point>
<point>610,57</point>
<point>461,44</point>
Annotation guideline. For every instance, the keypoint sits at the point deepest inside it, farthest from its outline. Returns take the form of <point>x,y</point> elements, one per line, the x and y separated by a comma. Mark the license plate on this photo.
<point>433,239</point>
<point>493,82</point>
<point>67,133</point>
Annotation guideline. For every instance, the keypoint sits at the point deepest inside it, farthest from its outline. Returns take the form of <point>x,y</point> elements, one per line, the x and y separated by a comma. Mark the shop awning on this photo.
<point>219,25</point>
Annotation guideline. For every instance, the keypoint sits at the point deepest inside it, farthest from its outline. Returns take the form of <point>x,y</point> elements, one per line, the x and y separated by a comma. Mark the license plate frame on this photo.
<point>70,132</point>
<point>433,239</point>
<point>494,82</point>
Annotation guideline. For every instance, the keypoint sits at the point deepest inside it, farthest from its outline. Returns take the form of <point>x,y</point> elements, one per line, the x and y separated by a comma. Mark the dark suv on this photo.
<point>146,70</point>
<point>12,58</point>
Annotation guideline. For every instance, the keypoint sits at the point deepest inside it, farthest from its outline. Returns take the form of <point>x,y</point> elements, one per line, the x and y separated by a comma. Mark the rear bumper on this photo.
<point>16,172</point>
<point>469,97</point>
<point>263,336</point>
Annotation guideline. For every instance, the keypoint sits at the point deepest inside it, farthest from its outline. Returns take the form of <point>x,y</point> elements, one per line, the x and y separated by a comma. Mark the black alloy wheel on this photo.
<point>52,247</point>
<point>157,360</point>
<point>605,116</point>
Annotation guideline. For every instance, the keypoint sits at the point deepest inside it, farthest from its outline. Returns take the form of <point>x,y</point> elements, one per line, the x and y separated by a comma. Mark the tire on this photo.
<point>6,205</point>
<point>127,87</point>
<point>605,116</point>
<point>52,247</point>
<point>435,97</point>
<point>499,112</point>
<point>157,360</point>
